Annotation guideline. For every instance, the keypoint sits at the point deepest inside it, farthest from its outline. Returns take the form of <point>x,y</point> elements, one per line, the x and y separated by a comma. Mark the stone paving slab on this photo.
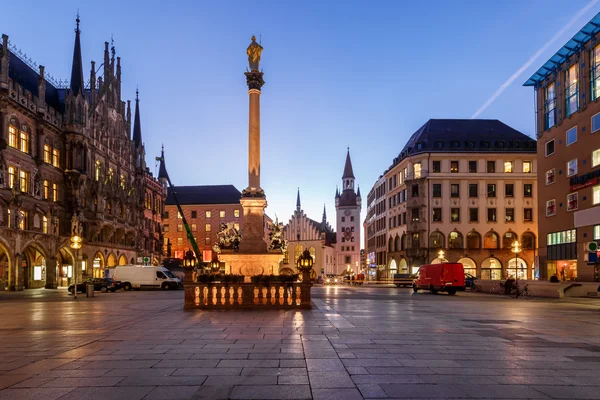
<point>357,343</point>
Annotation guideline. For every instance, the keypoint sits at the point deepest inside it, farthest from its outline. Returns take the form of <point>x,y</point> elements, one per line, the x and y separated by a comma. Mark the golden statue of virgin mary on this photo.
<point>253,52</point>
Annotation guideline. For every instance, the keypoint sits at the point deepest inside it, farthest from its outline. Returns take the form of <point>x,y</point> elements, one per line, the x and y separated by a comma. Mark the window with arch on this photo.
<point>111,174</point>
<point>24,139</point>
<point>473,240</point>
<point>391,245</point>
<point>56,157</point>
<point>123,181</point>
<point>47,153</point>
<point>491,241</point>
<point>44,224</point>
<point>455,240</point>
<point>528,241</point>
<point>397,245</point>
<point>97,170</point>
<point>12,133</point>
<point>298,250</point>
<point>436,240</point>
<point>508,239</point>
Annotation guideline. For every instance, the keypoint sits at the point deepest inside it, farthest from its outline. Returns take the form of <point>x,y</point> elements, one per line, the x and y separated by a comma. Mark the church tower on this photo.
<point>347,207</point>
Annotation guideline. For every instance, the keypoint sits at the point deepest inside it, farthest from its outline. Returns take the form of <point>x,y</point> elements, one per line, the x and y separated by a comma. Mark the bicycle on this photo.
<point>525,293</point>
<point>498,288</point>
<point>475,287</point>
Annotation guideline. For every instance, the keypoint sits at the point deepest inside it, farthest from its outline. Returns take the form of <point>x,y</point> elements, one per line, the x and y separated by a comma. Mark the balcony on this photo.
<point>417,176</point>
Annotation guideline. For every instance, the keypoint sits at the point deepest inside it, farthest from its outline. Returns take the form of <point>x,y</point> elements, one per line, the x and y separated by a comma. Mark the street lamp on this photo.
<point>189,261</point>
<point>76,241</point>
<point>516,248</point>
<point>214,264</point>
<point>304,264</point>
<point>441,256</point>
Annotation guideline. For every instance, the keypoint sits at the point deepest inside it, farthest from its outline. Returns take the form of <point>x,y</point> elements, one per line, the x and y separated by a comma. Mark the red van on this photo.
<point>445,277</point>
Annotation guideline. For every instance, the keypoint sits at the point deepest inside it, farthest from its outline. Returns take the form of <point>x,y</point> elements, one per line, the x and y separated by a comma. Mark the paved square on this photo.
<point>372,343</point>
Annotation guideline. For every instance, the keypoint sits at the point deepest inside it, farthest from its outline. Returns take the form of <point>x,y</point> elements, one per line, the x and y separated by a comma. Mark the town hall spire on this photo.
<point>77,67</point>
<point>137,126</point>
<point>298,207</point>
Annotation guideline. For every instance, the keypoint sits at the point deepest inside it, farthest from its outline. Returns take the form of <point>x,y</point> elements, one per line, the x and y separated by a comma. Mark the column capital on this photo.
<point>254,80</point>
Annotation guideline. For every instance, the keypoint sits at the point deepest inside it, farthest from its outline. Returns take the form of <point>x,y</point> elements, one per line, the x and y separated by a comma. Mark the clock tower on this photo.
<point>347,207</point>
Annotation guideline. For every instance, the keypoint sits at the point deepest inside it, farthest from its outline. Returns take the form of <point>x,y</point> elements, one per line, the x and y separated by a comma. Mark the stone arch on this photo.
<point>508,239</point>
<point>111,260</point>
<point>403,266</point>
<point>390,245</point>
<point>491,241</point>
<point>473,240</point>
<point>64,259</point>
<point>469,265</point>
<point>436,240</point>
<point>6,263</point>
<point>403,241</point>
<point>491,268</point>
<point>517,267</point>
<point>455,240</point>
<point>528,241</point>
<point>33,272</point>
<point>122,260</point>
<point>397,243</point>
<point>392,266</point>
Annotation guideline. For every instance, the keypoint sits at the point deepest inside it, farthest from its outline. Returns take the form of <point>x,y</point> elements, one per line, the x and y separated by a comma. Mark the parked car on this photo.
<point>140,276</point>
<point>444,277</point>
<point>469,280</point>
<point>101,284</point>
<point>333,279</point>
<point>405,280</point>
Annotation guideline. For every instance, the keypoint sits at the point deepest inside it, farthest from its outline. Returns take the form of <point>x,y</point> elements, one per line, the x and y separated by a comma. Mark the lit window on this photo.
<point>166,228</point>
<point>97,171</point>
<point>571,90</point>
<point>55,193</point>
<point>508,166</point>
<point>56,158</point>
<point>47,154</point>
<point>24,177</point>
<point>597,232</point>
<point>179,215</point>
<point>179,228</point>
<point>549,147</point>
<point>572,167</point>
<point>596,194</point>
<point>12,136</point>
<point>510,215</point>
<point>24,143</point>
<point>528,214</point>
<point>123,181</point>
<point>454,166</point>
<point>550,106</point>
<point>236,213</point>
<point>572,201</point>
<point>111,174</point>
<point>571,136</point>
<point>207,228</point>
<point>527,167</point>
<point>550,176</point>
<point>12,174</point>
<point>9,219</point>
<point>221,214</point>
<point>595,73</point>
<point>417,169</point>
<point>236,226</point>
<point>528,190</point>
<point>179,241</point>
<point>596,123</point>
<point>550,208</point>
<point>23,221</point>
<point>455,214</point>
<point>595,158</point>
<point>208,214</point>
<point>193,227</point>
<point>44,224</point>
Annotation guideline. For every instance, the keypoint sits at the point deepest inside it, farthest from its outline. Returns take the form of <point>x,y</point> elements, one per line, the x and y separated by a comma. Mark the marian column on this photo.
<point>253,199</point>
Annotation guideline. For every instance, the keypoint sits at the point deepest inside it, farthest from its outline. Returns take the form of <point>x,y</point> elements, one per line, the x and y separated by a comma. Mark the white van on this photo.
<point>140,276</point>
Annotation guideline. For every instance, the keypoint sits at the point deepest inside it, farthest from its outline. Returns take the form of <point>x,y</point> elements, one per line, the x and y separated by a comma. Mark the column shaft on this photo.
<point>254,140</point>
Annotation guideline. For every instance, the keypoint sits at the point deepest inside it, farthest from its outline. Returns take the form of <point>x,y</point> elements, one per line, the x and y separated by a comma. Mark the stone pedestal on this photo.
<point>253,241</point>
<point>253,264</point>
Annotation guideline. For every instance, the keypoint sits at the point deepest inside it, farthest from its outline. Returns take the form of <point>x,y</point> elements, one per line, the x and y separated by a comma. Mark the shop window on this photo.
<point>436,240</point>
<point>527,167</point>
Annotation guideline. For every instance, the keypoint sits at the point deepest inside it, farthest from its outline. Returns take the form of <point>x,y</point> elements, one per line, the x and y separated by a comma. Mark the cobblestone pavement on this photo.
<point>356,343</point>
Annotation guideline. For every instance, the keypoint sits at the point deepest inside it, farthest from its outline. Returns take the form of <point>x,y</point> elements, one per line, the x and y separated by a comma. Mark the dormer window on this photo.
<point>439,145</point>
<point>419,146</point>
<point>455,144</point>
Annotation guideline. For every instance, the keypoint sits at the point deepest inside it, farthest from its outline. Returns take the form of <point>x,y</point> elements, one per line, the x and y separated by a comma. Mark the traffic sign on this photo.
<point>139,260</point>
<point>592,257</point>
<point>592,247</point>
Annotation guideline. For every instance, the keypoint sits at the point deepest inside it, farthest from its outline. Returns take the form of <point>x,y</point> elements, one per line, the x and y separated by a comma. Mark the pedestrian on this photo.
<point>509,284</point>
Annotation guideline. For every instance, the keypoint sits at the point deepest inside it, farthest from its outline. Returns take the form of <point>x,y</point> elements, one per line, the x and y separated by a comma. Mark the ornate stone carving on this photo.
<point>254,80</point>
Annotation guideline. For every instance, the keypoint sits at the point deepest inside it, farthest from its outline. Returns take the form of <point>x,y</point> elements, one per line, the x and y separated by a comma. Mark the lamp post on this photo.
<point>214,264</point>
<point>516,248</point>
<point>441,256</point>
<point>189,261</point>
<point>304,264</point>
<point>75,245</point>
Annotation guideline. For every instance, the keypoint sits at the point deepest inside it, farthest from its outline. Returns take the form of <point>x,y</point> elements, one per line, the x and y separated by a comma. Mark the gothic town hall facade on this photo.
<point>71,165</point>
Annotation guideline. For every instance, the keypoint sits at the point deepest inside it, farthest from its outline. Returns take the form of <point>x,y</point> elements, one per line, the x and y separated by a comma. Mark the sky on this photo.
<point>357,74</point>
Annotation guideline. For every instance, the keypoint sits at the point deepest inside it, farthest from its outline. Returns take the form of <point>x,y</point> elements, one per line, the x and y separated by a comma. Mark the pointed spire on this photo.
<point>337,192</point>
<point>358,191</point>
<point>324,214</point>
<point>298,201</point>
<point>348,173</point>
<point>162,170</point>
<point>77,67</point>
<point>137,127</point>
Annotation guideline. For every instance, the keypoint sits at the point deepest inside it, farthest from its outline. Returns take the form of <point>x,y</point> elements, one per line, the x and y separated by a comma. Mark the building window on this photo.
<point>207,241</point>
<point>508,167</point>
<point>491,167</point>
<point>455,214</point>
<point>415,191</point>
<point>455,190</point>
<point>55,193</point>
<point>56,159</point>
<point>595,73</point>
<point>596,123</point>
<point>193,227</point>
<point>23,225</point>
<point>509,190</point>
<point>491,190</point>
<point>179,216</point>
<point>166,215</point>
<point>437,190</point>
<point>550,106</point>
<point>550,208</point>
<point>179,227</point>
<point>454,166</point>
<point>417,170</point>
<point>352,220</point>
<point>549,147</point>
<point>437,166</point>
<point>12,174</point>
<point>528,190</point>
<point>527,167</point>
<point>473,190</point>
<point>194,214</point>
<point>491,215</point>
<point>595,158</point>
<point>572,201</point>
<point>415,214</point>
<point>24,143</point>
<point>166,228</point>
<point>473,214</point>
<point>472,166</point>
<point>12,136</point>
<point>221,214</point>
<point>572,167</point>
<point>571,90</point>
<point>550,176</point>
<point>510,215</point>
<point>207,214</point>
<point>437,215</point>
<point>597,232</point>
<point>571,136</point>
<point>343,219</point>
<point>97,170</point>
<point>179,241</point>
<point>46,190</point>
<point>24,180</point>
<point>47,154</point>
<point>44,224</point>
<point>562,237</point>
<point>207,228</point>
<point>528,214</point>
<point>596,194</point>
<point>236,213</point>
